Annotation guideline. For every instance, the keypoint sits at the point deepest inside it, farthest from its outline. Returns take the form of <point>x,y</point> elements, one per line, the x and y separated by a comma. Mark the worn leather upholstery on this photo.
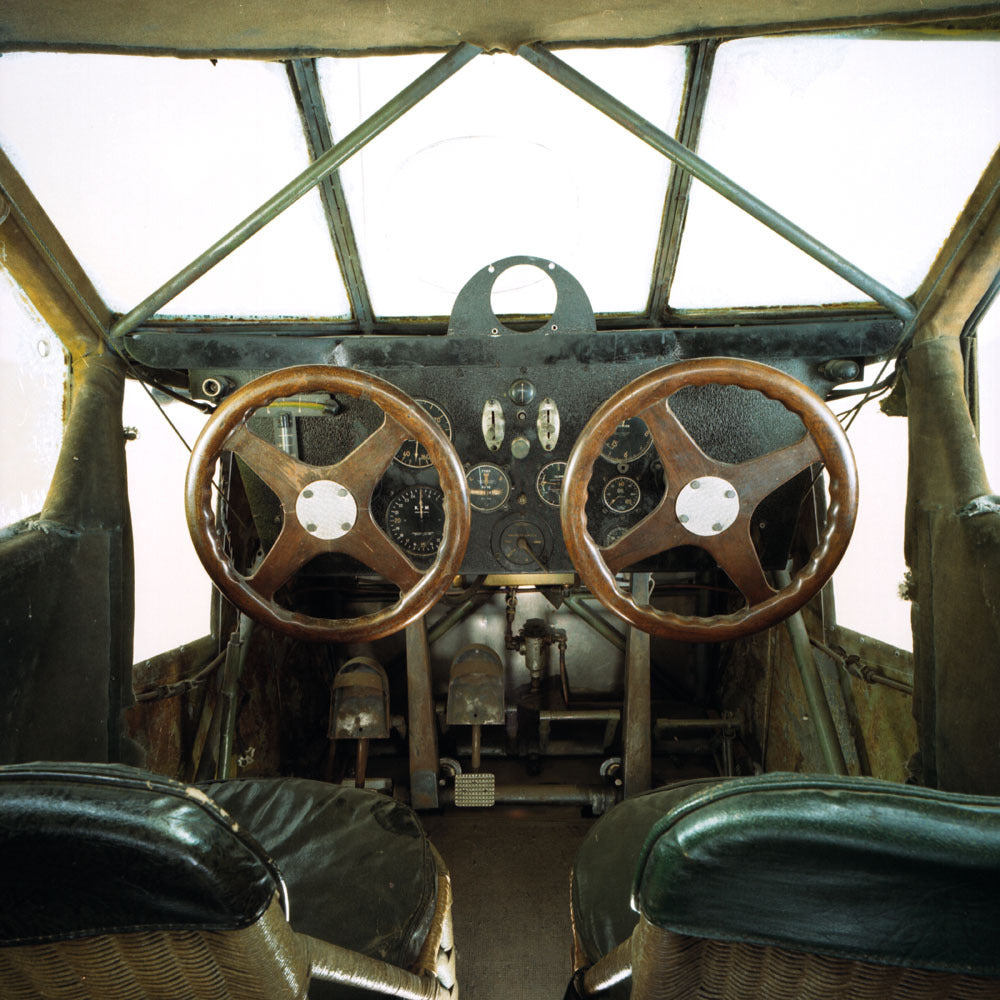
<point>88,849</point>
<point>850,867</point>
<point>357,864</point>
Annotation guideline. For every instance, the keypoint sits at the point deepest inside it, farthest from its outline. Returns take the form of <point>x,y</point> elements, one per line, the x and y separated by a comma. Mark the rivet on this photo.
<point>307,493</point>
<point>684,519</point>
<point>345,526</point>
<point>730,494</point>
<point>310,527</point>
<point>717,526</point>
<point>342,492</point>
<point>695,484</point>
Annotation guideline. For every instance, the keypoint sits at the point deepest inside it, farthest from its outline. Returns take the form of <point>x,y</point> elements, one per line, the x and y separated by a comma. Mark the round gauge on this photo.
<point>631,440</point>
<point>521,391</point>
<point>622,494</point>
<point>620,531</point>
<point>412,453</point>
<point>549,482</point>
<point>489,487</point>
<point>415,519</point>
<point>522,544</point>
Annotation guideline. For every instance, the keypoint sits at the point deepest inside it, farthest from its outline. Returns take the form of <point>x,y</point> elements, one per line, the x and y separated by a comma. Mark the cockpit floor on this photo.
<point>510,868</point>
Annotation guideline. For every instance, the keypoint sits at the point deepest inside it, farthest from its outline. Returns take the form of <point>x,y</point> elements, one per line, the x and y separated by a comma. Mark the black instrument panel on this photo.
<point>514,484</point>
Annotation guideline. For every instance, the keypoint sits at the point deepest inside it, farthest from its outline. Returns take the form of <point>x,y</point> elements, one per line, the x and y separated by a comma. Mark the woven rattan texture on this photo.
<point>260,962</point>
<point>668,966</point>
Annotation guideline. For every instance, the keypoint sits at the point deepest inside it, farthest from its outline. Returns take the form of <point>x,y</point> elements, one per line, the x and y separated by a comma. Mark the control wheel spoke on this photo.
<point>285,475</point>
<point>682,459</point>
<point>760,477</point>
<point>363,468</point>
<point>655,533</point>
<point>292,549</point>
<point>367,543</point>
<point>735,553</point>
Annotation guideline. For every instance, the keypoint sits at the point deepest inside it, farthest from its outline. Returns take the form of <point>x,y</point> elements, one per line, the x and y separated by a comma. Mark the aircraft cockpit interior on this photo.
<point>498,501</point>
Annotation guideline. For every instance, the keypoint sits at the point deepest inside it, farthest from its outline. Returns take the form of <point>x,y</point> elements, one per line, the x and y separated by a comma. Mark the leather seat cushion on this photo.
<point>358,866</point>
<point>607,860</point>
<point>87,849</point>
<point>851,867</point>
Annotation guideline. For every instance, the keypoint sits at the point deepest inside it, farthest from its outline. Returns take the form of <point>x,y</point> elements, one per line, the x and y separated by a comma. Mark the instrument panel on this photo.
<point>513,403</point>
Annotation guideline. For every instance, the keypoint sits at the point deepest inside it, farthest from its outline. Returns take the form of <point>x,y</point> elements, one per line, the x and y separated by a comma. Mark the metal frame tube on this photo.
<point>595,621</point>
<point>554,67</point>
<point>819,707</point>
<point>409,96</point>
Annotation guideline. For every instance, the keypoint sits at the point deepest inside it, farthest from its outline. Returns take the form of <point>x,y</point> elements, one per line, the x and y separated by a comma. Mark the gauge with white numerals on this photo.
<point>412,453</point>
<point>622,494</point>
<point>489,487</point>
<point>415,519</point>
<point>550,481</point>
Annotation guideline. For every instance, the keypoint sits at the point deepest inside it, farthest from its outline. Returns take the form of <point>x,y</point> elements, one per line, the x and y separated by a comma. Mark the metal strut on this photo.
<point>334,157</point>
<point>562,73</point>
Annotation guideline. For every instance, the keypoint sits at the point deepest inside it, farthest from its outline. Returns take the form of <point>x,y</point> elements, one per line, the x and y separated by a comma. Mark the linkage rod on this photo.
<point>562,73</point>
<point>409,96</point>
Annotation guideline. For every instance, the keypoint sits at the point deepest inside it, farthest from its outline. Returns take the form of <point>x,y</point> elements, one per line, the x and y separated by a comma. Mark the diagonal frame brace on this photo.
<point>542,59</point>
<point>320,168</point>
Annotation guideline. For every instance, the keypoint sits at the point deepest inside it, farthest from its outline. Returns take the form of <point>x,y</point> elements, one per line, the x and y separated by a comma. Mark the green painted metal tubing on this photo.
<point>812,683</point>
<point>554,67</point>
<point>409,96</point>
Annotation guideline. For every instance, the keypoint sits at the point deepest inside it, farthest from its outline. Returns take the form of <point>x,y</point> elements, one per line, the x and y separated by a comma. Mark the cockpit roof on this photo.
<point>262,28</point>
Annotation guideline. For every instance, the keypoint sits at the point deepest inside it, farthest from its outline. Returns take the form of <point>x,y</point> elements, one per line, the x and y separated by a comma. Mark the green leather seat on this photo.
<point>856,870</point>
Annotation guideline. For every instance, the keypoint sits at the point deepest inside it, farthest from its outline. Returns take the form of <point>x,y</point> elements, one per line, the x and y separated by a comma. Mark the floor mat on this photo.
<point>510,875</point>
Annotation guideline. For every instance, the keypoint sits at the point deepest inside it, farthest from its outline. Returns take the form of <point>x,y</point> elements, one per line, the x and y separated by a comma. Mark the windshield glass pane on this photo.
<point>143,163</point>
<point>503,161</point>
<point>870,146</point>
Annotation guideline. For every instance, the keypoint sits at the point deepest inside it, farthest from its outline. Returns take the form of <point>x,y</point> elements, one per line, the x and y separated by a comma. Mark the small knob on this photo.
<point>520,447</point>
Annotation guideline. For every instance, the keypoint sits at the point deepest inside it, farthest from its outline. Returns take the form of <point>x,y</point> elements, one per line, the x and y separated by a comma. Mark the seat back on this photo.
<point>800,886</point>
<point>118,882</point>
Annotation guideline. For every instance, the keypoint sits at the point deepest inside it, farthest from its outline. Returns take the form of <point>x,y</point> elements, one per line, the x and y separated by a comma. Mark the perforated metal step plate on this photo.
<point>475,790</point>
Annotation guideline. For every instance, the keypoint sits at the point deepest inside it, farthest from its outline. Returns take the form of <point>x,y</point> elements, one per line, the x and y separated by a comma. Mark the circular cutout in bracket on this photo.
<point>473,315</point>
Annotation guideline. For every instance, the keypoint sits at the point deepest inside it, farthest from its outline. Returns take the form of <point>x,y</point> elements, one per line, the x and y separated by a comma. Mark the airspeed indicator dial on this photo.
<point>415,519</point>
<point>412,453</point>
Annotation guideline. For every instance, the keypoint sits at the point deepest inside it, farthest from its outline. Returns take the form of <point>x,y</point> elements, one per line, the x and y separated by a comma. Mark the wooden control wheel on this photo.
<point>326,508</point>
<point>710,504</point>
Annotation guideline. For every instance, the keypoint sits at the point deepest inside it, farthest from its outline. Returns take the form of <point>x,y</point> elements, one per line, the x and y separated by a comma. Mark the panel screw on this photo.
<point>684,519</point>
<point>345,526</point>
<point>341,492</point>
<point>695,484</point>
<point>717,526</point>
<point>310,527</point>
<point>307,493</point>
<point>730,494</point>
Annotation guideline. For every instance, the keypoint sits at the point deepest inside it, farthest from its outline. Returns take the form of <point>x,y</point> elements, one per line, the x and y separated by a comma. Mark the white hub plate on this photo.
<point>707,505</point>
<point>326,509</point>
